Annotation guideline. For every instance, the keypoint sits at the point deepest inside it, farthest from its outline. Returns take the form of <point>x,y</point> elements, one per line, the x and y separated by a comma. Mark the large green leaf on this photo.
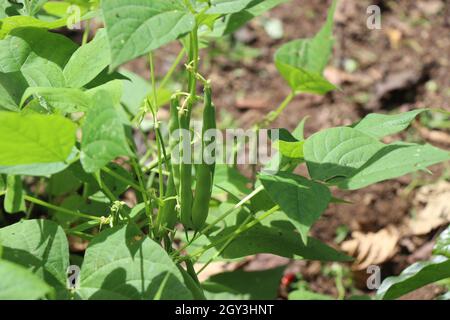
<point>123,263</point>
<point>34,138</point>
<point>104,136</point>
<point>243,285</point>
<point>31,52</point>
<point>88,61</point>
<point>301,199</point>
<point>380,125</point>
<point>14,200</point>
<point>39,169</point>
<point>355,160</point>
<point>136,27</point>
<point>10,24</point>
<point>302,62</point>
<point>40,246</point>
<point>395,160</point>
<point>18,283</point>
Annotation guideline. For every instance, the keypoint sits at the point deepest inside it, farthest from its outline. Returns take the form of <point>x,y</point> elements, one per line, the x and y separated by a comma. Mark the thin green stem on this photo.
<point>86,32</point>
<point>272,116</point>
<point>220,218</point>
<point>61,209</point>
<point>172,68</point>
<point>237,232</point>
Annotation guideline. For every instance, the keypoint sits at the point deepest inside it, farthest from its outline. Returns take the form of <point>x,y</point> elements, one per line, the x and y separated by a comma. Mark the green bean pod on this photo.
<point>204,171</point>
<point>167,218</point>
<point>185,174</point>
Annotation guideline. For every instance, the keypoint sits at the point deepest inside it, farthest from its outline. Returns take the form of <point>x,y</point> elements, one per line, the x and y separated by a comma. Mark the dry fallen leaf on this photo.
<point>436,211</point>
<point>372,248</point>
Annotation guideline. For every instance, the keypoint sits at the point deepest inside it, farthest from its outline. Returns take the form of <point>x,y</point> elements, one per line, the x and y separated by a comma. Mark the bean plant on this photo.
<point>89,161</point>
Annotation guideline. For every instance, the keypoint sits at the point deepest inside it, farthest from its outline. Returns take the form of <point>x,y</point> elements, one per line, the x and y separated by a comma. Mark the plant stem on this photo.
<point>272,116</point>
<point>61,209</point>
<point>87,30</point>
<point>172,68</point>
<point>237,232</point>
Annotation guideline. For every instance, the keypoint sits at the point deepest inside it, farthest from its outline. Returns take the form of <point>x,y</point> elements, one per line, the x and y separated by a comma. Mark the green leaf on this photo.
<point>35,138</point>
<point>338,152</point>
<point>40,246</point>
<point>136,89</point>
<point>136,27</point>
<point>414,277</point>
<point>275,235</point>
<point>12,87</point>
<point>380,125</point>
<point>302,62</point>
<point>227,6</point>
<point>88,61</point>
<point>395,160</point>
<point>243,285</point>
<point>31,7</point>
<point>10,24</point>
<point>31,52</point>
<point>304,294</point>
<point>233,22</point>
<point>2,189</point>
<point>14,198</point>
<point>103,134</point>
<point>442,246</point>
<point>301,199</point>
<point>18,283</point>
<point>65,100</point>
<point>39,169</point>
<point>123,263</point>
<point>355,160</point>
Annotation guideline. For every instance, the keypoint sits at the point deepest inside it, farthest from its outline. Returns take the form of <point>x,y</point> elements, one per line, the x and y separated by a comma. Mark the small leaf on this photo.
<point>135,269</point>
<point>302,62</point>
<point>303,294</point>
<point>442,246</point>
<point>227,6</point>
<point>14,201</point>
<point>88,61</point>
<point>233,22</point>
<point>34,138</point>
<point>65,100</point>
<point>103,135</point>
<point>18,283</point>
<point>244,285</point>
<point>301,199</point>
<point>380,125</point>
<point>414,277</point>
<point>136,27</point>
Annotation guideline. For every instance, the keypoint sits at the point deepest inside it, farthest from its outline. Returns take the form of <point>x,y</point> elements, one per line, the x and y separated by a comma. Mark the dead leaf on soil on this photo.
<point>372,248</point>
<point>436,211</point>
